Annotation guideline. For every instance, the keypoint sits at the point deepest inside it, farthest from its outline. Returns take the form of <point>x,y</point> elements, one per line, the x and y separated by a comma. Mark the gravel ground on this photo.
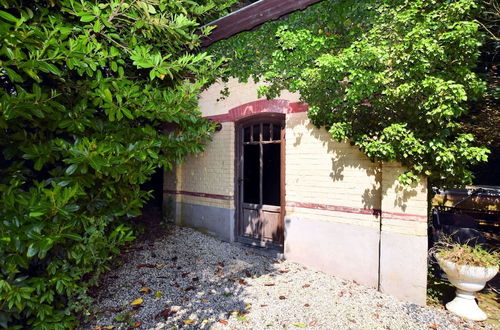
<point>190,280</point>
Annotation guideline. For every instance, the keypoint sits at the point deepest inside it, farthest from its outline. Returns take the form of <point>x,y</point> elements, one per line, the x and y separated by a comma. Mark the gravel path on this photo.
<point>190,280</point>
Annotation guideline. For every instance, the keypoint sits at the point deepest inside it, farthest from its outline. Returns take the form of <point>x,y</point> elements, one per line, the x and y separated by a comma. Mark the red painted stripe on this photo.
<point>259,106</point>
<point>335,208</point>
<point>355,210</point>
<point>404,216</point>
<point>325,207</point>
<point>198,194</point>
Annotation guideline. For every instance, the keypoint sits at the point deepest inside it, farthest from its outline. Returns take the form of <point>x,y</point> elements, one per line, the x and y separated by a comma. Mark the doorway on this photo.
<point>260,180</point>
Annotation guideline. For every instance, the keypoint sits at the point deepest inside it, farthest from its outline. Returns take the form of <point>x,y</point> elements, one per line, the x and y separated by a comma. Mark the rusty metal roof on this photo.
<point>251,16</point>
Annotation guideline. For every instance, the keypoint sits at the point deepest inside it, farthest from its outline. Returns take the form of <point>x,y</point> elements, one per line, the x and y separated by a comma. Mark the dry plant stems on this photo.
<point>463,254</point>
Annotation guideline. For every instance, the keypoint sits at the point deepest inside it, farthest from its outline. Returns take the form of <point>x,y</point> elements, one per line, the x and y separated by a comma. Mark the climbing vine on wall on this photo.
<point>392,77</point>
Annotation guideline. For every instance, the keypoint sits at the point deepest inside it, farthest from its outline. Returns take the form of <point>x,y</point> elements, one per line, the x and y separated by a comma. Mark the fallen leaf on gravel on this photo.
<point>248,306</point>
<point>184,275</point>
<point>203,300</point>
<point>137,302</point>
<point>146,266</point>
<point>356,282</point>
<point>380,305</point>
<point>269,284</point>
<point>284,271</point>
<point>145,290</point>
<point>306,305</point>
<point>158,294</point>
<point>432,326</point>
<point>185,299</point>
<point>248,253</point>
<point>306,285</point>
<point>136,325</point>
<point>165,313</point>
<point>189,288</point>
<point>176,285</point>
<point>376,316</point>
<point>221,264</point>
<point>100,327</point>
<point>282,297</point>
<point>224,322</point>
<point>235,312</point>
<point>263,305</point>
<point>341,293</point>
<point>312,323</point>
<point>242,282</point>
<point>299,325</point>
<point>160,265</point>
<point>188,322</point>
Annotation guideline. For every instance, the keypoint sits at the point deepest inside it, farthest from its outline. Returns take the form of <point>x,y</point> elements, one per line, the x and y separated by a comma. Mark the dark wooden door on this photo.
<point>260,181</point>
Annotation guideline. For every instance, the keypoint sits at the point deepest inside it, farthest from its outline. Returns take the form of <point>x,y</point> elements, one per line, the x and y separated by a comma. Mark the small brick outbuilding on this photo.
<point>271,179</point>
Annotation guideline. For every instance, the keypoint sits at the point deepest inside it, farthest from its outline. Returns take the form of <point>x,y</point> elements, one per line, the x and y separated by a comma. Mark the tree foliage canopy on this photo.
<point>392,77</point>
<point>86,89</point>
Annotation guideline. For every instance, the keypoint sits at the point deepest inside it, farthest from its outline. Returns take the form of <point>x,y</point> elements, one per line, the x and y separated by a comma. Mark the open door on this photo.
<point>260,178</point>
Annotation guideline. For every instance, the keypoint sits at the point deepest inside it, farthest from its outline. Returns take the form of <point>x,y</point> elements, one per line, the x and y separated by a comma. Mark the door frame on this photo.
<point>238,160</point>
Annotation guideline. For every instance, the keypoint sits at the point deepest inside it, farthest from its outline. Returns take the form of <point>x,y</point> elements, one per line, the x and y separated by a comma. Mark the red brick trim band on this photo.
<point>259,106</point>
<point>404,216</point>
<point>355,210</point>
<point>326,207</point>
<point>336,208</point>
<point>198,194</point>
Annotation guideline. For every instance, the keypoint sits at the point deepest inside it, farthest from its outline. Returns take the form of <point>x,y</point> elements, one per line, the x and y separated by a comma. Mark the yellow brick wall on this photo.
<point>322,171</point>
<point>212,103</point>
<point>212,171</point>
<point>410,200</point>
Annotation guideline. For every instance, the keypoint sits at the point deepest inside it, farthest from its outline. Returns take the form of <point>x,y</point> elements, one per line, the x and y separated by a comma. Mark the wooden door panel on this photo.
<point>271,224</point>
<point>251,224</point>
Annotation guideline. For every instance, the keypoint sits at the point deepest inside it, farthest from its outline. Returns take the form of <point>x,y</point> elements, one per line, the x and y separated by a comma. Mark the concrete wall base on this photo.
<point>215,221</point>
<point>347,251</point>
<point>403,267</point>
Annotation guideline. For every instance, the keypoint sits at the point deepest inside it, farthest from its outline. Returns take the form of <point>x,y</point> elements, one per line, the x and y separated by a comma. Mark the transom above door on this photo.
<point>260,165</point>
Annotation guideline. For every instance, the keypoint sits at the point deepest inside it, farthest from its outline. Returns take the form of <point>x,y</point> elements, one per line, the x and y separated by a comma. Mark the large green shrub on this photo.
<point>393,77</point>
<point>86,89</point>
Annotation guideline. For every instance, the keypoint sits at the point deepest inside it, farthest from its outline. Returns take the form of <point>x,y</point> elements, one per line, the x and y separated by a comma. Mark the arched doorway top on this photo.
<point>260,106</point>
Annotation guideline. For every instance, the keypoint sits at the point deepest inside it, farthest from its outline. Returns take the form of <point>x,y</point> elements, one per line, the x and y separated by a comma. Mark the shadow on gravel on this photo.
<point>177,278</point>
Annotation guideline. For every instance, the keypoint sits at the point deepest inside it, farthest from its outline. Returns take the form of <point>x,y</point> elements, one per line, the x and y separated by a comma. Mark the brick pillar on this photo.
<point>403,246</point>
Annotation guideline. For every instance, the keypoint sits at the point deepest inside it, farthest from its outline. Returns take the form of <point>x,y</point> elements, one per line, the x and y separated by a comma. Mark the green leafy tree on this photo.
<point>86,89</point>
<point>392,77</point>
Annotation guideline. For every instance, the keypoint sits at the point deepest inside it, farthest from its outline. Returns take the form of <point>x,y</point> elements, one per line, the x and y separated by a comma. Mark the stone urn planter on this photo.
<point>467,280</point>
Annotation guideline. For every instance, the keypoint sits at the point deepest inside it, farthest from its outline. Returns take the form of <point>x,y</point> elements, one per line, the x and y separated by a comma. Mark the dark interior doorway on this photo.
<point>260,189</point>
<point>153,209</point>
